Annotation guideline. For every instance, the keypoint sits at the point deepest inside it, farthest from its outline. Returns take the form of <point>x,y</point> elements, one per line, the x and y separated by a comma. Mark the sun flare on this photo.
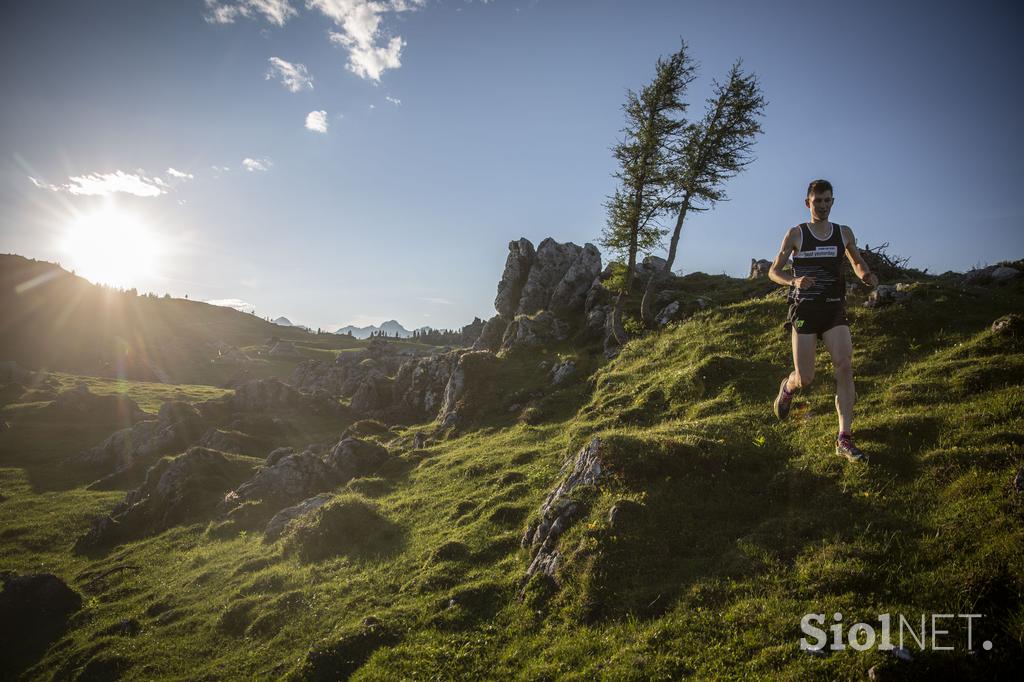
<point>111,246</point>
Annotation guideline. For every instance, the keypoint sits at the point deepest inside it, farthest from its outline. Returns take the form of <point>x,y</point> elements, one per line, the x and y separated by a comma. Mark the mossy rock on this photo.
<point>349,525</point>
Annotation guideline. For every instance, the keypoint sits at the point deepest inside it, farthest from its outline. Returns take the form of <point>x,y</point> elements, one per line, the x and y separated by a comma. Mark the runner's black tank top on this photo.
<point>821,259</point>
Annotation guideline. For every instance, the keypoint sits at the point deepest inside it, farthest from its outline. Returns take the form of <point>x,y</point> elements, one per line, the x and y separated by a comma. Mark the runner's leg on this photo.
<point>840,347</point>
<point>803,361</point>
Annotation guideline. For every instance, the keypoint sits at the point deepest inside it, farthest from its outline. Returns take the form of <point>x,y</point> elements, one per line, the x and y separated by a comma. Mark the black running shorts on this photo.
<point>816,320</point>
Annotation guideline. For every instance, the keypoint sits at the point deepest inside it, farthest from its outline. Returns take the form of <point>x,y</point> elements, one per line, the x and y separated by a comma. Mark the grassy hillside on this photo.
<point>53,319</point>
<point>740,525</point>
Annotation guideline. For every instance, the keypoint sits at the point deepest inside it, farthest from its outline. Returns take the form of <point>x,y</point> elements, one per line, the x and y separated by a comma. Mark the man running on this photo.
<point>817,306</point>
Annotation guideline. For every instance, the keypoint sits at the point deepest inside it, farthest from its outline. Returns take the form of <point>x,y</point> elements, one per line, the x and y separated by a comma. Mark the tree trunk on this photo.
<point>653,287</point>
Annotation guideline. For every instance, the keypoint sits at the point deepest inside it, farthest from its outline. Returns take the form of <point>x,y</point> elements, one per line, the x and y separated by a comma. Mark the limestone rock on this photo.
<point>567,268</point>
<point>1011,325</point>
<point>492,333</point>
<point>177,426</point>
<point>668,314</point>
<point>232,441</point>
<point>353,457</point>
<point>420,383</point>
<point>373,393</point>
<point>562,371</point>
<point>277,454</point>
<point>1004,274</point>
<point>277,523</point>
<point>540,330</point>
<point>473,370</point>
<point>559,510</point>
<point>759,268</point>
<point>887,294</point>
<point>175,491</point>
<point>293,478</point>
<point>312,375</point>
<point>521,255</point>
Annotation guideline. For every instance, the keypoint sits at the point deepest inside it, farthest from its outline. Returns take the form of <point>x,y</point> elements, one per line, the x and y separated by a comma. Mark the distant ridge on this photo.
<point>389,328</point>
<point>284,322</point>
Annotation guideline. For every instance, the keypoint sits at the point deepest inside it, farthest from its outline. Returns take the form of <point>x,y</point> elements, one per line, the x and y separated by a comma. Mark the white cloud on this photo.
<point>438,301</point>
<point>221,169</point>
<point>105,184</point>
<point>369,53</point>
<point>394,100</point>
<point>236,303</point>
<point>181,175</point>
<point>317,121</point>
<point>253,165</point>
<point>276,12</point>
<point>295,77</point>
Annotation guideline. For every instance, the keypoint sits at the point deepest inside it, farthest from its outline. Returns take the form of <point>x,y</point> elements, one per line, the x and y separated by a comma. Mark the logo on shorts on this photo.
<point>798,323</point>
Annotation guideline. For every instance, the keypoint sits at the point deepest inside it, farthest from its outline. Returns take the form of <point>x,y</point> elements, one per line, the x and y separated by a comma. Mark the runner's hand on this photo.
<point>871,279</point>
<point>804,282</point>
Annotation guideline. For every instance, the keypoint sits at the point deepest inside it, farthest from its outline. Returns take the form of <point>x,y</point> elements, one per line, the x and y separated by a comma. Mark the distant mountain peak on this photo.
<point>389,327</point>
<point>284,322</point>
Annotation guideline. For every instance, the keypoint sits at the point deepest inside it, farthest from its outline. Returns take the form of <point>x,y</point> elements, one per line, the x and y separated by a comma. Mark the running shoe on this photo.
<point>783,401</point>
<point>846,448</point>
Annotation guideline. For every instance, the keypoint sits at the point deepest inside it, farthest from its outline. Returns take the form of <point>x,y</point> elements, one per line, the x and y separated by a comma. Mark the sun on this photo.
<point>111,246</point>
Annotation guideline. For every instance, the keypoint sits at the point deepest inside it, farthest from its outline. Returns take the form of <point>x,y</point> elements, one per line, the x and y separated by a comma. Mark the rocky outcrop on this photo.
<point>291,479</point>
<point>233,441</point>
<point>175,491</point>
<point>420,383</point>
<point>373,393</point>
<point>521,256</point>
<point>562,371</point>
<point>80,404</point>
<point>352,458</point>
<point>492,334</point>
<point>1011,325</point>
<point>565,269</point>
<point>177,426</point>
<point>668,314</point>
<point>317,375</point>
<point>759,268</point>
<point>887,294</point>
<point>542,329</point>
<point>993,274</point>
<point>470,379</point>
<point>559,511</point>
<point>275,527</point>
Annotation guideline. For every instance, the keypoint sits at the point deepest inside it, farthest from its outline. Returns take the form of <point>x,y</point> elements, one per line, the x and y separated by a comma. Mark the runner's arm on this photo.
<point>775,272</point>
<point>860,266</point>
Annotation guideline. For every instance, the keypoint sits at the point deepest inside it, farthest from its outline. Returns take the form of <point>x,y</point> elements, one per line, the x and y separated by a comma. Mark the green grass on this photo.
<point>745,524</point>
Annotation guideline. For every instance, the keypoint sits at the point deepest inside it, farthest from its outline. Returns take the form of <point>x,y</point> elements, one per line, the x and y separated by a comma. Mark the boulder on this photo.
<point>521,255</point>
<point>177,426</point>
<point>542,329</point>
<point>260,395</point>
<point>1011,325</point>
<point>562,371</point>
<point>277,454</point>
<point>291,479</point>
<point>759,268</point>
<point>34,611</point>
<point>352,458</point>
<point>233,441</point>
<point>1004,274</point>
<point>887,294</point>
<point>281,519</point>
<point>559,511</point>
<point>374,393</point>
<point>648,266</point>
<point>175,491</point>
<point>669,313</point>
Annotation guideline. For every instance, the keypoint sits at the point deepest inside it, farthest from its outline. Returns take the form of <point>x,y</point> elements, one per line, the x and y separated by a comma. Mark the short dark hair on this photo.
<point>819,186</point>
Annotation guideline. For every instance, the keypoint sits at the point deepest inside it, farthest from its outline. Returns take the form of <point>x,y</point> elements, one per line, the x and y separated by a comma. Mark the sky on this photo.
<point>348,161</point>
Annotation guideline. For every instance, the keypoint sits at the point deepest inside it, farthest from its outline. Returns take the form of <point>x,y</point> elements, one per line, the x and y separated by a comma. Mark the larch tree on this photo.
<point>647,189</point>
<point>714,150</point>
